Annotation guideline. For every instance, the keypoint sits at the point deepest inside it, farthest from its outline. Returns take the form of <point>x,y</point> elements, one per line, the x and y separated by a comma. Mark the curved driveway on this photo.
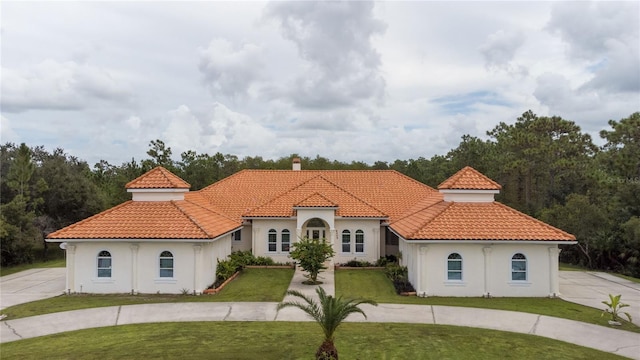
<point>582,287</point>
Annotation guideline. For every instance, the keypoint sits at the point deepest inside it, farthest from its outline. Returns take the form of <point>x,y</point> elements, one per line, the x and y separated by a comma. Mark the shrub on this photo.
<point>399,275</point>
<point>225,269</point>
<point>357,263</point>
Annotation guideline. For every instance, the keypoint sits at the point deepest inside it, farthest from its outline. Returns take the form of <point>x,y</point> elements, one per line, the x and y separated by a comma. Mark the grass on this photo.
<point>56,259</point>
<point>374,285</point>
<point>268,285</point>
<point>572,267</point>
<point>284,340</point>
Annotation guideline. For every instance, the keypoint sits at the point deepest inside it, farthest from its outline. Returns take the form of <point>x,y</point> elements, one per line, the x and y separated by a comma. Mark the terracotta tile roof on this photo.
<point>158,178</point>
<point>151,220</point>
<point>332,195</point>
<point>373,193</point>
<point>316,200</point>
<point>475,221</point>
<point>469,179</point>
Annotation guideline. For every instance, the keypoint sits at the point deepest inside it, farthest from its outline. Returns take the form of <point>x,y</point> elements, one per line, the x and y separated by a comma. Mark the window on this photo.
<point>454,267</point>
<point>104,264</point>
<point>273,241</point>
<point>346,241</point>
<point>166,264</point>
<point>285,240</point>
<point>237,235</point>
<point>359,241</point>
<point>519,267</point>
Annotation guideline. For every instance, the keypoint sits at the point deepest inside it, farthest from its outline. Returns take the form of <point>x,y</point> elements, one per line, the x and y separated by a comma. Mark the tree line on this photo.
<point>547,166</point>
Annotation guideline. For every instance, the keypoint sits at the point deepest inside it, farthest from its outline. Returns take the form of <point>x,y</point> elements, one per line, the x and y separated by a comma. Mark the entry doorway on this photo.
<point>316,233</point>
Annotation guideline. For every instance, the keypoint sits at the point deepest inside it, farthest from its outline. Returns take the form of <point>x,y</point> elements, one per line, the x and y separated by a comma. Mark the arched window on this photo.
<point>359,241</point>
<point>346,241</point>
<point>286,241</point>
<point>454,267</point>
<point>166,264</point>
<point>104,264</point>
<point>272,241</point>
<point>519,267</point>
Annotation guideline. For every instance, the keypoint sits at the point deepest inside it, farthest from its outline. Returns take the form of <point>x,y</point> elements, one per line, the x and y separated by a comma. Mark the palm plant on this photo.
<point>329,313</point>
<point>613,308</point>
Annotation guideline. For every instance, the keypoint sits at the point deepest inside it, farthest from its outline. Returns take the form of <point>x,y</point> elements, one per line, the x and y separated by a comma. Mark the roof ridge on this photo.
<point>551,227</point>
<point>191,218</point>
<point>318,194</point>
<point>208,208</point>
<point>282,194</point>
<point>353,195</point>
<point>172,179</point>
<point>429,219</point>
<point>465,173</point>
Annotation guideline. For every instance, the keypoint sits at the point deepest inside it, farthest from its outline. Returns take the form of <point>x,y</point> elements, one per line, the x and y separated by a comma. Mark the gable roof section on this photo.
<point>469,178</point>
<point>151,220</point>
<point>309,192</point>
<point>475,221</point>
<point>316,200</point>
<point>157,178</point>
<point>379,193</point>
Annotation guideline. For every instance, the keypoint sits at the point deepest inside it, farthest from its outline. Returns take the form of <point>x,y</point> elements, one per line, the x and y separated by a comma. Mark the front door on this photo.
<point>316,233</point>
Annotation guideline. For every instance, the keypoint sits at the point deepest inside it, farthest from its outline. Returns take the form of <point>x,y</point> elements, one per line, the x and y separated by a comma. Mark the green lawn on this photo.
<point>283,340</point>
<point>34,265</point>
<point>252,285</point>
<point>373,284</point>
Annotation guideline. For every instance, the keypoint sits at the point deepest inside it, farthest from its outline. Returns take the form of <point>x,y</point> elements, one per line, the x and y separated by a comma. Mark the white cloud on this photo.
<point>334,38</point>
<point>230,70</point>
<point>500,48</point>
<point>53,85</point>
<point>7,134</point>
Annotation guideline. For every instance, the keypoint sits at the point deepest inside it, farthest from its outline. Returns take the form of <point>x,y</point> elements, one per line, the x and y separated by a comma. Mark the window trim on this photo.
<point>284,232</point>
<point>450,260</point>
<point>359,236</point>
<point>342,243</point>
<point>110,267</point>
<point>513,271</point>
<point>273,232</point>
<point>173,265</point>
<point>237,235</point>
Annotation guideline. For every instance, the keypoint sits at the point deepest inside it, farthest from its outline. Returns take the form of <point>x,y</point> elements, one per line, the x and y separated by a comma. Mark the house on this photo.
<point>455,241</point>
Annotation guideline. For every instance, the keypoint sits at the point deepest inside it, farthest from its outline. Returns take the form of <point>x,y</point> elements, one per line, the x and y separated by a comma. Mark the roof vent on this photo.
<point>296,164</point>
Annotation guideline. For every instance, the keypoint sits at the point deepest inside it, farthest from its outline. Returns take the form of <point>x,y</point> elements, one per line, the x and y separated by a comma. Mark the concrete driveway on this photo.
<point>591,288</point>
<point>31,285</point>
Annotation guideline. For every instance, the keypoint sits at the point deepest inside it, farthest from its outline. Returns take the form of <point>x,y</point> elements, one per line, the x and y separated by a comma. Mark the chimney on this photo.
<point>296,164</point>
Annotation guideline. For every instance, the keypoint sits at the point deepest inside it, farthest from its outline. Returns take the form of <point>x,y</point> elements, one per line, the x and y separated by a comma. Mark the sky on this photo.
<point>350,81</point>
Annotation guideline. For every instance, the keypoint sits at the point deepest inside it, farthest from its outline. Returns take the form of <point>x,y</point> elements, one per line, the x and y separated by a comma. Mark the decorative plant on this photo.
<point>311,255</point>
<point>613,307</point>
<point>329,314</point>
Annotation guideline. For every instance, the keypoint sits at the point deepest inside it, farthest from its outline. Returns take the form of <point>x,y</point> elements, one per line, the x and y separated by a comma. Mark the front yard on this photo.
<point>285,340</point>
<point>373,284</point>
<point>267,285</point>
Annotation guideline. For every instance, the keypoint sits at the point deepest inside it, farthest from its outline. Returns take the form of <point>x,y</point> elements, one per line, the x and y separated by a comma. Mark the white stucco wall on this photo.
<point>135,266</point>
<point>486,269</point>
<point>245,240</point>
<point>371,229</point>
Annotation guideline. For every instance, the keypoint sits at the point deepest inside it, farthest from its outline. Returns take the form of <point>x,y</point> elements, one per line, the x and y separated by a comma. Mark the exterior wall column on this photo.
<point>376,242</point>
<point>71,268</point>
<point>254,237</point>
<point>422,286</point>
<point>134,268</point>
<point>554,287</point>
<point>197,264</point>
<point>487,271</point>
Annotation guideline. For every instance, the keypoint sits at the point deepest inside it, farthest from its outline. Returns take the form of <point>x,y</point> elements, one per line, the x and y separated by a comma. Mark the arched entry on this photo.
<point>316,228</point>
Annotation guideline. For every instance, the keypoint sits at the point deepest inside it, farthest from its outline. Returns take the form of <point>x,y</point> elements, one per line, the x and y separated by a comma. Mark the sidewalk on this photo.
<point>593,336</point>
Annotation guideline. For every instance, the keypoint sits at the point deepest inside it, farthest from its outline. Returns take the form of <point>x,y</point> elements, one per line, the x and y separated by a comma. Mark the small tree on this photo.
<point>613,308</point>
<point>311,255</point>
<point>329,314</point>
